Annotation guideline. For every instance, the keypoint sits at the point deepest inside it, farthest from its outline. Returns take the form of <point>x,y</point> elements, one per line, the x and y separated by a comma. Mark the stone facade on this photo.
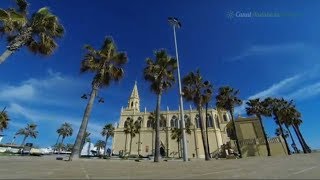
<point>144,143</point>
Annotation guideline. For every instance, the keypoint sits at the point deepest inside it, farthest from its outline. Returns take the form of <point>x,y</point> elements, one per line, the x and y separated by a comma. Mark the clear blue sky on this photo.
<point>261,56</point>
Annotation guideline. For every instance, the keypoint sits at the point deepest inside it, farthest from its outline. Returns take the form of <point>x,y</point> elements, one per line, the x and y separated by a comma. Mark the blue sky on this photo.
<point>261,56</point>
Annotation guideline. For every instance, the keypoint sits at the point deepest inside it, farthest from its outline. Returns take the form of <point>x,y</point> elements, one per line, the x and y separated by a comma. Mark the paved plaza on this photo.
<point>46,167</point>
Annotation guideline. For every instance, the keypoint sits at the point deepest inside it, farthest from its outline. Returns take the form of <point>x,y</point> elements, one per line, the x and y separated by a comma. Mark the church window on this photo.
<point>163,123</point>
<point>217,121</point>
<point>197,120</point>
<point>225,118</point>
<point>131,104</point>
<point>173,122</point>
<point>210,121</point>
<point>149,123</point>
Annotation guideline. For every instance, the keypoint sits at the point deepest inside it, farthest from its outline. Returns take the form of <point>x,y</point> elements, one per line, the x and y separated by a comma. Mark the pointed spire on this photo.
<point>135,93</point>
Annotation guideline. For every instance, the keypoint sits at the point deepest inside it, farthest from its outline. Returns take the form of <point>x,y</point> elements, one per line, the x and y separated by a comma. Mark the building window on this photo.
<point>210,121</point>
<point>217,122</point>
<point>197,120</point>
<point>163,123</point>
<point>187,121</point>
<point>173,122</point>
<point>149,124</point>
<point>225,118</point>
<point>147,149</point>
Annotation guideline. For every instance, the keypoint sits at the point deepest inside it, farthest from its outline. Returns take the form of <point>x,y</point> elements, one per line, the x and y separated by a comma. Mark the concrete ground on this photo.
<point>46,167</point>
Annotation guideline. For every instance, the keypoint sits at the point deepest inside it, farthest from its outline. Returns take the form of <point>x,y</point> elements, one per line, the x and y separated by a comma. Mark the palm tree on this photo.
<point>99,145</point>
<point>4,120</point>
<point>160,73</point>
<point>152,118</point>
<point>198,91</point>
<point>176,134</point>
<point>278,133</point>
<point>276,106</point>
<point>259,109</point>
<point>107,65</point>
<point>228,99</point>
<point>129,128</point>
<point>30,130</point>
<point>107,131</point>
<point>291,116</point>
<point>137,128</point>
<point>295,124</point>
<point>37,32</point>
<point>59,134</point>
<point>59,146</point>
<point>69,147</point>
<point>66,130</point>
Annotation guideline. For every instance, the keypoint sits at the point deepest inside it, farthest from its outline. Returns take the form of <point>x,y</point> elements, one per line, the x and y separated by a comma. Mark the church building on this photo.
<point>143,142</point>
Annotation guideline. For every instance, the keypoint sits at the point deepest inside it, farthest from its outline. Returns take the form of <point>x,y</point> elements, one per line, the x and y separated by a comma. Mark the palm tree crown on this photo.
<point>108,130</point>
<point>160,72</point>
<point>30,130</point>
<point>38,32</point>
<point>4,120</point>
<point>228,98</point>
<point>107,63</point>
<point>65,130</point>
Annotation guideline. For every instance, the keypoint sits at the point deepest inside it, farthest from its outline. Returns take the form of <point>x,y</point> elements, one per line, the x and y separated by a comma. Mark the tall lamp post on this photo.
<point>176,24</point>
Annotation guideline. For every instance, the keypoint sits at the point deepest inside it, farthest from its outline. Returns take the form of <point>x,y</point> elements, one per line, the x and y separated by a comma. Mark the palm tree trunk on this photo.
<point>58,139</point>
<point>5,55</point>
<point>157,140</point>
<point>293,142</point>
<point>282,134</point>
<point>24,140</point>
<point>139,144</point>
<point>196,142</point>
<point>236,136</point>
<point>300,140</point>
<point>207,125</point>
<point>167,141</point>
<point>178,141</point>
<point>304,142</point>
<point>76,149</point>
<point>264,135</point>
<point>105,148</point>
<point>203,134</point>
<point>152,150</point>
<point>130,144</point>
<point>125,145</point>
<point>61,143</point>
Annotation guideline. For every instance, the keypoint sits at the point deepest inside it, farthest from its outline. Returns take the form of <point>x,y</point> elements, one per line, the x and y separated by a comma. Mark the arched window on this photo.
<point>131,104</point>
<point>139,120</point>
<point>217,121</point>
<point>210,121</point>
<point>163,123</point>
<point>225,118</point>
<point>197,120</point>
<point>149,124</point>
<point>173,122</point>
<point>187,121</point>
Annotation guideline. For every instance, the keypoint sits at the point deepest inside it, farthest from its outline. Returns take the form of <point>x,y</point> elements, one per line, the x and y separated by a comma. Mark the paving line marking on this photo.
<point>302,171</point>
<point>216,172</point>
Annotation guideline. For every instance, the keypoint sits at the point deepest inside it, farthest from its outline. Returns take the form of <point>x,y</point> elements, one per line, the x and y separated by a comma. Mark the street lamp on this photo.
<point>84,96</point>
<point>176,24</point>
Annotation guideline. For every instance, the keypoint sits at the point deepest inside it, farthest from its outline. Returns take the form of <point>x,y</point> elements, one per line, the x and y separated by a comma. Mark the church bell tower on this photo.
<point>134,100</point>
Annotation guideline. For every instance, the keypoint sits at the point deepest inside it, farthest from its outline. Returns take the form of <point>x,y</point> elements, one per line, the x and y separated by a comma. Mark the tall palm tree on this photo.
<point>66,130</point>
<point>4,120</point>
<point>137,128</point>
<point>129,128</point>
<point>278,133</point>
<point>199,91</point>
<point>69,147</point>
<point>176,134</point>
<point>291,117</point>
<point>37,32</point>
<point>259,109</point>
<point>107,65</point>
<point>107,131</point>
<point>228,99</point>
<point>160,73</point>
<point>59,135</point>
<point>152,118</point>
<point>276,106</point>
<point>30,130</point>
<point>99,145</point>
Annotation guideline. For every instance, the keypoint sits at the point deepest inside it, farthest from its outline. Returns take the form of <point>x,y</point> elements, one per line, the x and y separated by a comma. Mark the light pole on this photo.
<point>176,24</point>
